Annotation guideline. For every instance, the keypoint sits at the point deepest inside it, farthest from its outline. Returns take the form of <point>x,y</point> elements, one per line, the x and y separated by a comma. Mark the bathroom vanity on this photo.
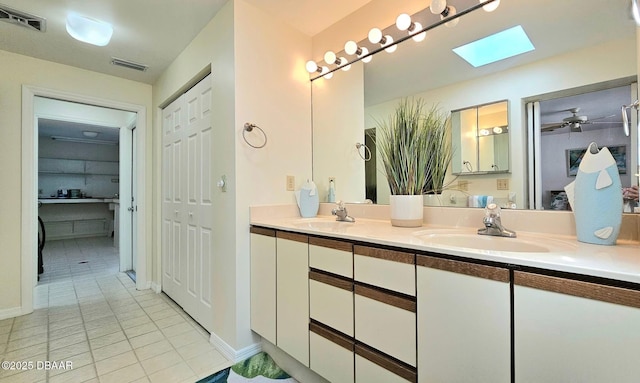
<point>368,302</point>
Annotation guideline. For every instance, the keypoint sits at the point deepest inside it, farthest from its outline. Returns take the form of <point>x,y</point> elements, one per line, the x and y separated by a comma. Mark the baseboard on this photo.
<point>230,353</point>
<point>10,313</point>
<point>155,287</point>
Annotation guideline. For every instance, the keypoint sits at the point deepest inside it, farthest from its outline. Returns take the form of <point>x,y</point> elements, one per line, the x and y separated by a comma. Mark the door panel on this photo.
<point>189,204</point>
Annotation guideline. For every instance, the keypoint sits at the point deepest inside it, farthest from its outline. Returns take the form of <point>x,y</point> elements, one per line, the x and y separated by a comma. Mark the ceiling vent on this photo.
<point>22,18</point>
<point>129,64</point>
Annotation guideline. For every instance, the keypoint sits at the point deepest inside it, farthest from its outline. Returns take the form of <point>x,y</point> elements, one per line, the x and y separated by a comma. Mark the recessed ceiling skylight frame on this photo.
<point>496,47</point>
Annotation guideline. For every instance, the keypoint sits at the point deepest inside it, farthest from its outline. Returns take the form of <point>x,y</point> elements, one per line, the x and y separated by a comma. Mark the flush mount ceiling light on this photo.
<point>499,46</point>
<point>89,30</point>
<point>90,134</point>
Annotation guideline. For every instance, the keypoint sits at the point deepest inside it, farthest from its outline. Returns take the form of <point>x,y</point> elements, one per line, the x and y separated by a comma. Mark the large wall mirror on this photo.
<point>572,58</point>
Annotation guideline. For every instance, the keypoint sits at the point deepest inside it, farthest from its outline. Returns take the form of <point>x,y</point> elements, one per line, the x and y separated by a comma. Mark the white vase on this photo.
<point>433,200</point>
<point>406,210</point>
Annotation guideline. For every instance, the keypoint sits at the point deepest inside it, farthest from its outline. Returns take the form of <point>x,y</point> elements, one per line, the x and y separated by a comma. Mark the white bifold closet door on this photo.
<point>187,209</point>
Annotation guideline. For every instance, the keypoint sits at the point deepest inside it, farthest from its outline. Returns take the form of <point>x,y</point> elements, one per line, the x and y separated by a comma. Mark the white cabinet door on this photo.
<point>464,322</point>
<point>292,290</point>
<point>331,355</point>
<point>263,283</point>
<point>572,331</point>
<point>187,208</point>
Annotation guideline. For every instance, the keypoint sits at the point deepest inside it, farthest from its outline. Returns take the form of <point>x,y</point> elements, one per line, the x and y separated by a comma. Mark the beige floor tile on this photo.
<point>142,380</point>
<point>161,362</point>
<point>154,349</point>
<point>111,350</point>
<point>99,323</point>
<point>36,321</point>
<point>25,377</point>
<point>208,363</point>
<point>177,329</point>
<point>194,349</point>
<point>148,303</point>
<point>67,341</point>
<point>69,351</point>
<point>104,330</point>
<point>65,332</point>
<point>132,373</point>
<point>65,315</point>
<point>140,330</point>
<point>26,353</point>
<point>143,340</point>
<point>78,375</point>
<point>73,321</point>
<point>170,321</point>
<point>6,322</point>
<point>5,329</point>
<point>174,374</point>
<point>106,340</point>
<point>28,332</point>
<point>97,315</point>
<point>26,342</point>
<point>156,308</point>
<point>186,338</point>
<point>4,338</point>
<point>130,314</point>
<point>163,314</point>
<point>77,361</point>
<point>143,319</point>
<point>115,363</point>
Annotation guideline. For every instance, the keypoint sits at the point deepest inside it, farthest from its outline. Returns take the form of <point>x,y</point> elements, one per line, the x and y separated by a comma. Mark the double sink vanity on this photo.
<point>369,302</point>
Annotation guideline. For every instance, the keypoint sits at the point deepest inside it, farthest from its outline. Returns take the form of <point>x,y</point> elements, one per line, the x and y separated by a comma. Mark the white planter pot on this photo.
<point>406,210</point>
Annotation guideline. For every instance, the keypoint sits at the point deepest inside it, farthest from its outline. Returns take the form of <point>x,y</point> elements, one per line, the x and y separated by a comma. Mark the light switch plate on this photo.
<point>291,183</point>
<point>502,184</point>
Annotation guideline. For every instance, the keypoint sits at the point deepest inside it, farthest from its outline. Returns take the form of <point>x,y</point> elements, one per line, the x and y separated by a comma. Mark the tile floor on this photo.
<point>91,315</point>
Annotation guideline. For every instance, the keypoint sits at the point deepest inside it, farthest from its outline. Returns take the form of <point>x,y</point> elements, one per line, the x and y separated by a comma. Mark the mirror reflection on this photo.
<point>572,57</point>
<point>481,134</point>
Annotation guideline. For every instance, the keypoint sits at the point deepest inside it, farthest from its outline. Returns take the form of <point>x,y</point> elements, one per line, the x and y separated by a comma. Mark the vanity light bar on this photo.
<point>378,41</point>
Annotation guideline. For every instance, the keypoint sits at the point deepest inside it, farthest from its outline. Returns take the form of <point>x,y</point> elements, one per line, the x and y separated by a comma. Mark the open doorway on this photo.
<point>82,151</point>
<point>85,177</point>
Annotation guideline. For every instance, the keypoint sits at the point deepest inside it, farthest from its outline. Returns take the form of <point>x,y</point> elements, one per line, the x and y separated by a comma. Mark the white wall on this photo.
<point>21,70</point>
<point>257,78</point>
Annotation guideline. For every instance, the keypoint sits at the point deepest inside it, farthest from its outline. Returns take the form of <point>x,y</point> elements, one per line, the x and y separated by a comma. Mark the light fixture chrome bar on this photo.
<point>83,140</point>
<point>405,38</point>
<point>129,64</point>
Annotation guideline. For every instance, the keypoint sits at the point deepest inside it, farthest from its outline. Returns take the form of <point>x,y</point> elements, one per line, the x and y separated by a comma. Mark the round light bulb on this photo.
<point>484,132</point>
<point>375,35</point>
<point>365,51</point>
<point>452,12</point>
<point>389,40</point>
<point>418,37</point>
<point>403,22</point>
<point>497,130</point>
<point>328,76</point>
<point>437,6</point>
<point>329,57</point>
<point>346,67</point>
<point>350,47</point>
<point>311,66</point>
<point>491,6</point>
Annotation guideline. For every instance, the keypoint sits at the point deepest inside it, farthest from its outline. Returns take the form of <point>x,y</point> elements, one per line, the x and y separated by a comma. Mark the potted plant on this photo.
<point>415,150</point>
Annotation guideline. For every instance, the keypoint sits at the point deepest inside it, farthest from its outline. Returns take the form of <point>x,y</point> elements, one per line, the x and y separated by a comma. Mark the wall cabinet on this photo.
<point>292,294</point>
<point>464,322</point>
<point>574,331</point>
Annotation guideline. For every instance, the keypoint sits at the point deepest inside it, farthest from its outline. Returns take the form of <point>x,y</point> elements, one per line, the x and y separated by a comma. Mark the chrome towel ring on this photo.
<point>365,154</point>
<point>248,127</point>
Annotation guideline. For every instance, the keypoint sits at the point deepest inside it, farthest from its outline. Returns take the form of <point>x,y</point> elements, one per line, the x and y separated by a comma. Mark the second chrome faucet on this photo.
<point>341,213</point>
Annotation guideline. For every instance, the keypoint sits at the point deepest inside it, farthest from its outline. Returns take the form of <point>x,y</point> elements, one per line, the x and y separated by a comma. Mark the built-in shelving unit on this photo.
<point>64,166</point>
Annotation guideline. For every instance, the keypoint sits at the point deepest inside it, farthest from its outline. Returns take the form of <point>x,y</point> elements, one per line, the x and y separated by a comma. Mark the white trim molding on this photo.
<point>11,313</point>
<point>230,353</point>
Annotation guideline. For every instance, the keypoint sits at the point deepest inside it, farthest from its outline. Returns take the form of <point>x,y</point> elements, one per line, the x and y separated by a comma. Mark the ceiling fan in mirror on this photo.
<point>575,122</point>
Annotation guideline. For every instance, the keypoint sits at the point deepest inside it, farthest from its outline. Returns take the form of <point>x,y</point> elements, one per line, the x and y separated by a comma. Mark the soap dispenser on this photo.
<point>332,192</point>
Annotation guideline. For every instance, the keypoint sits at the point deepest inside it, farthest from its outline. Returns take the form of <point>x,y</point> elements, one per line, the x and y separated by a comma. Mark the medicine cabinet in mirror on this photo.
<point>481,134</point>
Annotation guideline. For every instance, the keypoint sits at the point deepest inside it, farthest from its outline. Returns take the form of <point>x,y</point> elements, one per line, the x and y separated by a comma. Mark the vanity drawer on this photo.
<point>331,301</point>
<point>331,354</point>
<point>391,270</point>
<point>332,256</point>
<point>386,322</point>
<point>373,367</point>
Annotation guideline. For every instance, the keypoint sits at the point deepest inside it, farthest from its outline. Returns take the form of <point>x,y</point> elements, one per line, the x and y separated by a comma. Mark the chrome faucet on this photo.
<point>341,213</point>
<point>493,224</point>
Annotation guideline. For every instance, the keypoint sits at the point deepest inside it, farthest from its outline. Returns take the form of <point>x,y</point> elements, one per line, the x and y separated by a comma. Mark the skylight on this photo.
<point>499,46</point>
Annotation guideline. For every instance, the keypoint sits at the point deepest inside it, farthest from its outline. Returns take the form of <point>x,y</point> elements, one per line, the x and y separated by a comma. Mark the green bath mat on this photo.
<point>260,368</point>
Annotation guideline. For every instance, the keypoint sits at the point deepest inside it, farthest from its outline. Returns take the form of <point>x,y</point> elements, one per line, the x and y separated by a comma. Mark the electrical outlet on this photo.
<point>463,185</point>
<point>291,183</point>
<point>502,184</point>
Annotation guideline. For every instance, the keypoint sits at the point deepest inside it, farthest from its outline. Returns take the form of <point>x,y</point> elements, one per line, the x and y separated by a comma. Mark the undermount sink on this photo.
<point>471,240</point>
<point>322,224</point>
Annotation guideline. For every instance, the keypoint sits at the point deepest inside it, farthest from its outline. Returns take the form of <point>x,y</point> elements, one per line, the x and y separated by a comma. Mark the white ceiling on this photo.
<point>151,32</point>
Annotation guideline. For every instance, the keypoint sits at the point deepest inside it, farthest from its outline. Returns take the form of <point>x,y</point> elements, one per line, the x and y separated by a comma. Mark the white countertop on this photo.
<point>73,200</point>
<point>619,262</point>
